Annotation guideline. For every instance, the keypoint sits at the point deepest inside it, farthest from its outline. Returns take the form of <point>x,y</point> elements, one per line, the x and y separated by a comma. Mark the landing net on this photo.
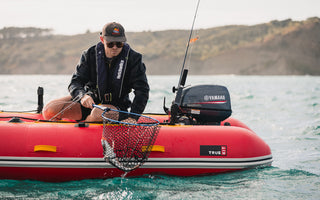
<point>128,145</point>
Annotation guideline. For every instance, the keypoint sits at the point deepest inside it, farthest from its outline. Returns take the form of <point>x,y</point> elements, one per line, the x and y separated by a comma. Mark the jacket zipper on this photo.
<point>97,85</point>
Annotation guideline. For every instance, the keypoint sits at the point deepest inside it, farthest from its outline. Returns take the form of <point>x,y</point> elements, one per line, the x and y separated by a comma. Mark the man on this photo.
<point>105,74</point>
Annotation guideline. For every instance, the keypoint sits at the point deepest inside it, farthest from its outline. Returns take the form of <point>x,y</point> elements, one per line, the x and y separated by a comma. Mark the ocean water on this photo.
<point>283,110</point>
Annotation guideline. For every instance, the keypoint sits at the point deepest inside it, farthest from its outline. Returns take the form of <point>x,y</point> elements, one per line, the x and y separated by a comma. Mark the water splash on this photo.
<point>124,175</point>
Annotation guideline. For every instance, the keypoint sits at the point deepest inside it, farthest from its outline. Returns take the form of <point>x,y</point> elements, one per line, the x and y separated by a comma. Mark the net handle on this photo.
<point>106,109</point>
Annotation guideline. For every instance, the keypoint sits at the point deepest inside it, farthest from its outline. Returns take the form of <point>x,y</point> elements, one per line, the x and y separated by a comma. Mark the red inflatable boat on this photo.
<point>31,148</point>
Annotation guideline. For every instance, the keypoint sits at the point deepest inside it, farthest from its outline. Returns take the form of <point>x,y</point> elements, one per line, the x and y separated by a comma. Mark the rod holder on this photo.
<point>40,99</point>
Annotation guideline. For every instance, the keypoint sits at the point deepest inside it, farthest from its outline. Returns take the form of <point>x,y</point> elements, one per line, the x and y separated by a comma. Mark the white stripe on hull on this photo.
<point>218,163</point>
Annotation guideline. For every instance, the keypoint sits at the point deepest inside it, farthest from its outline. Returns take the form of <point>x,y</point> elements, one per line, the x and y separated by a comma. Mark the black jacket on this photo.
<point>84,81</point>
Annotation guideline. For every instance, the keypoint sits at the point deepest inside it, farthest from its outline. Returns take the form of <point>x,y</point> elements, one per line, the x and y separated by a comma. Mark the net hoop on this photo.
<point>155,121</point>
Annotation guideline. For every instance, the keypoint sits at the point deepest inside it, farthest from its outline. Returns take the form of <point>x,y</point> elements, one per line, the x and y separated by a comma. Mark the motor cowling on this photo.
<point>206,103</point>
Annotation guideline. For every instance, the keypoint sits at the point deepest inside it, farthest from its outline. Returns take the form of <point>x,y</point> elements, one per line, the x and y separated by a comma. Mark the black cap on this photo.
<point>114,32</point>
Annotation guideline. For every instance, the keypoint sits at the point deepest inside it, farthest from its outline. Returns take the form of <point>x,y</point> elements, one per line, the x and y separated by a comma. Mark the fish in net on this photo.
<point>127,145</point>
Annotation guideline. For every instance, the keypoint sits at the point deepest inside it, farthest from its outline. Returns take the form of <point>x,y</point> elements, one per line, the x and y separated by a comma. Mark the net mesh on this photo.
<point>128,145</point>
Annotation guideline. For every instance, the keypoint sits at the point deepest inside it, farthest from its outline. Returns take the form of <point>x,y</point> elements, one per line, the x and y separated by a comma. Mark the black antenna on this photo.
<point>183,76</point>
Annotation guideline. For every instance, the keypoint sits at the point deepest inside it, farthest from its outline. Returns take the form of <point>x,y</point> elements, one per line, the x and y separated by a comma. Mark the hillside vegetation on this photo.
<point>275,48</point>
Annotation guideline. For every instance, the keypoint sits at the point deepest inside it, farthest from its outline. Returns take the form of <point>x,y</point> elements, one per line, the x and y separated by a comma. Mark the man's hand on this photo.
<point>130,120</point>
<point>87,101</point>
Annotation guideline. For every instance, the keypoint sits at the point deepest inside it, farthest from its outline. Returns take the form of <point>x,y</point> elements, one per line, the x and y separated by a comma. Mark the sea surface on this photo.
<point>283,110</point>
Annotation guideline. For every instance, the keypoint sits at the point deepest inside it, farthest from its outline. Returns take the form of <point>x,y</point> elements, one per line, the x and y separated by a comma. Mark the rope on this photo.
<point>64,108</point>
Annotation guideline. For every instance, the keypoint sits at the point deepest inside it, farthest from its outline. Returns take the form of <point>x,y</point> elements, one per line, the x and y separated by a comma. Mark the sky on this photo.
<point>78,16</point>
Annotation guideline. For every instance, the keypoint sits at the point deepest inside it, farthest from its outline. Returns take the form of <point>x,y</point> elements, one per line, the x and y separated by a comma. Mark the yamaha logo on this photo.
<point>214,97</point>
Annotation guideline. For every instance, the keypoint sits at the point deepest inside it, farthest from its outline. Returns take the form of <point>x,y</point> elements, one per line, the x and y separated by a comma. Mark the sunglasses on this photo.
<point>111,44</point>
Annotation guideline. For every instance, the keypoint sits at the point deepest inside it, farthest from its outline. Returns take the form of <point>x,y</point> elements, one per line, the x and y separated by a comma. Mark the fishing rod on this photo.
<point>183,76</point>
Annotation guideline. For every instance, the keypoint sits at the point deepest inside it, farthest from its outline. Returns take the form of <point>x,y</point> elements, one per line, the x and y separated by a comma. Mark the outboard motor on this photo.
<point>202,104</point>
<point>206,103</point>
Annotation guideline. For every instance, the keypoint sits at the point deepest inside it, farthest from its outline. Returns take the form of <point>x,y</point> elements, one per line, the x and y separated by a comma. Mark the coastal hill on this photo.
<point>275,48</point>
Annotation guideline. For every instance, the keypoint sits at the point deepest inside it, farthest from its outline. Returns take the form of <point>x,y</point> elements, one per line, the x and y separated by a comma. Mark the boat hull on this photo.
<point>48,151</point>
